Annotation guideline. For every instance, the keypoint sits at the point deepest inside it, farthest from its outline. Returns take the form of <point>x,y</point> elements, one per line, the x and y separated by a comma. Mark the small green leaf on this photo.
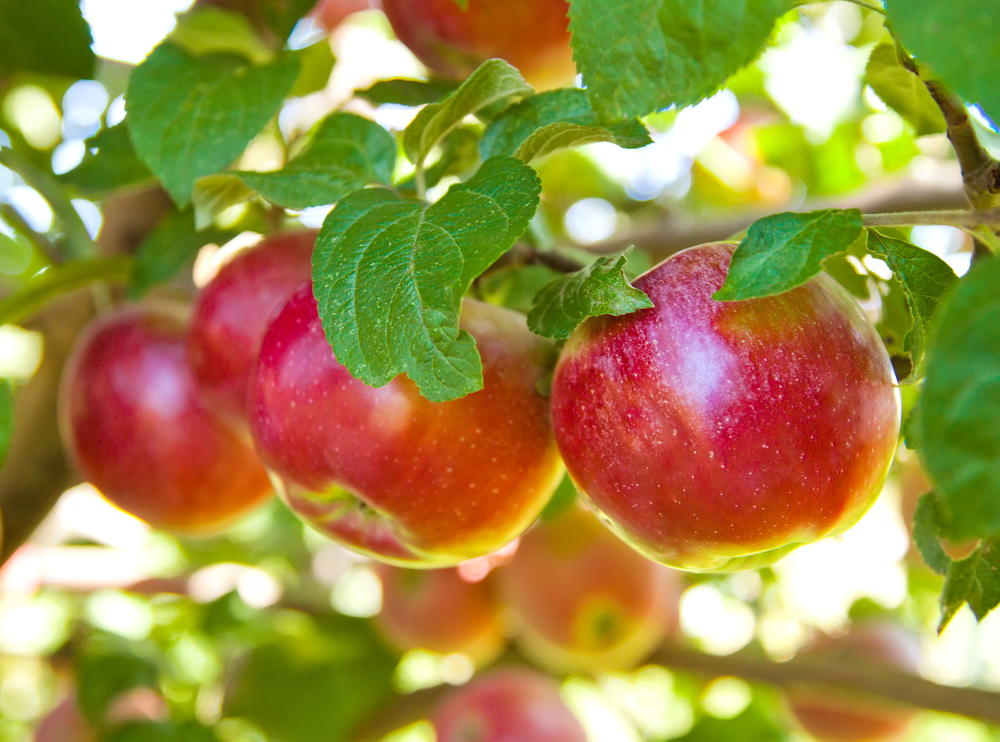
<point>494,81</point>
<point>15,253</point>
<point>925,279</point>
<point>110,163</point>
<point>213,30</point>
<point>46,36</point>
<point>389,274</point>
<point>558,119</point>
<point>56,280</point>
<point>6,418</point>
<point>960,405</point>
<point>646,55</point>
<point>347,152</point>
<point>929,527</point>
<point>191,117</point>
<point>317,65</point>
<point>902,91</point>
<point>929,28</point>
<point>169,247</point>
<point>974,580</point>
<point>561,501</point>
<point>401,91</point>
<point>783,251</point>
<point>598,289</point>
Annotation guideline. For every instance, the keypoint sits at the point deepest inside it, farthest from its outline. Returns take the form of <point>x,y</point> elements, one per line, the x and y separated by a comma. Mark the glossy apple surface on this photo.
<point>507,706</point>
<point>390,474</point>
<point>715,436</point>
<point>588,602</point>
<point>231,313</point>
<point>436,610</point>
<point>135,426</point>
<point>533,35</point>
<point>830,717</point>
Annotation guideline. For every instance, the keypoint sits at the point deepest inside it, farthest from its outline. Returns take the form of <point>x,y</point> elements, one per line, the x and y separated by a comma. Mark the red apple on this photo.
<point>133,422</point>
<point>435,609</point>
<point>507,706</point>
<point>331,13</point>
<point>533,35</point>
<point>390,474</point>
<point>716,436</point>
<point>231,314</point>
<point>65,723</point>
<point>588,602</point>
<point>830,717</point>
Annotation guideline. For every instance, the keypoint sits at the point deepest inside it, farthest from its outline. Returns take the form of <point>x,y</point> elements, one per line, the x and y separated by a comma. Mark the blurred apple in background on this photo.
<point>833,717</point>
<point>331,13</point>
<point>65,723</point>
<point>507,706</point>
<point>717,436</point>
<point>588,601</point>
<point>136,428</point>
<point>436,610</point>
<point>389,473</point>
<point>533,35</point>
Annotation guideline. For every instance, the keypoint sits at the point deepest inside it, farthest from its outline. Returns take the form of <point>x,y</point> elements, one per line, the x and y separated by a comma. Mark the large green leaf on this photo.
<point>783,251</point>
<point>957,40</point>
<point>925,279</point>
<point>47,36</point>
<point>547,122</point>
<point>389,274</point>
<point>493,82</point>
<point>645,55</point>
<point>109,163</point>
<point>190,116</point>
<point>598,289</point>
<point>960,406</point>
<point>903,91</point>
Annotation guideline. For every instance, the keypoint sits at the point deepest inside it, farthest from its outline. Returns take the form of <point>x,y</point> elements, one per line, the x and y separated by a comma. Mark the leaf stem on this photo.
<point>961,218</point>
<point>420,181</point>
<point>78,241</point>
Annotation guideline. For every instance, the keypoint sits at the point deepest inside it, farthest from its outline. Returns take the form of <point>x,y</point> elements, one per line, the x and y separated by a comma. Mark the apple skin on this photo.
<point>833,718</point>
<point>133,422</point>
<point>507,706</point>
<point>533,35</point>
<point>588,602</point>
<point>390,474</point>
<point>436,610</point>
<point>231,313</point>
<point>331,13</point>
<point>716,436</point>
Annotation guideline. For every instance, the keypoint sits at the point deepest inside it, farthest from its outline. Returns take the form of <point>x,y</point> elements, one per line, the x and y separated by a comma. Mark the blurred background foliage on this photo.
<point>264,633</point>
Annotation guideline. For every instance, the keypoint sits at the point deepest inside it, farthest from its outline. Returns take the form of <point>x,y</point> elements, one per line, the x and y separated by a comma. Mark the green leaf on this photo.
<point>902,91</point>
<point>161,731</point>
<point>929,527</point>
<point>645,55</point>
<point>389,275</point>
<point>110,163</point>
<point>6,419</point>
<point>515,286</point>
<point>494,81</point>
<point>213,30</point>
<point>191,117</point>
<point>783,251</point>
<point>46,36</point>
<point>558,119</point>
<point>925,279</point>
<point>598,289</point>
<point>56,280</point>
<point>317,63</point>
<point>459,156</point>
<point>104,671</point>
<point>929,30</point>
<point>169,247</point>
<point>401,91</point>
<point>960,405</point>
<point>15,252</point>
<point>283,15</point>
<point>347,152</point>
<point>561,501</point>
<point>974,580</point>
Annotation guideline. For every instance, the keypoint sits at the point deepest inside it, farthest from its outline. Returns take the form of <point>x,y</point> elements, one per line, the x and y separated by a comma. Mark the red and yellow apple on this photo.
<point>715,436</point>
<point>231,313</point>
<point>533,35</point>
<point>507,706</point>
<point>831,717</point>
<point>436,610</point>
<point>586,600</point>
<point>390,474</point>
<point>134,424</point>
